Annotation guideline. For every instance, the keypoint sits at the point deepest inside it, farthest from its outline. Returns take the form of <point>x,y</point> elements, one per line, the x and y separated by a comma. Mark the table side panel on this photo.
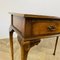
<point>19,23</point>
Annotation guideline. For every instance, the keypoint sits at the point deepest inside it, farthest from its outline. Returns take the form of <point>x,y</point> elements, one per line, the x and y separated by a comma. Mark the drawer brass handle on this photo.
<point>51,28</point>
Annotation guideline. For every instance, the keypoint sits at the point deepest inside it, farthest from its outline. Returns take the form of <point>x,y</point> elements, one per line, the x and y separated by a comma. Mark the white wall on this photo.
<point>45,7</point>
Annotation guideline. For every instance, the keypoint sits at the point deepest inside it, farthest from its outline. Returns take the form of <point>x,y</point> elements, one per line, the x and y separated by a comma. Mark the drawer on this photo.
<point>45,27</point>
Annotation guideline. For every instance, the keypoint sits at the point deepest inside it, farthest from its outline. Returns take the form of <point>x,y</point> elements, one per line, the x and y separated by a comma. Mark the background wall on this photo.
<point>44,7</point>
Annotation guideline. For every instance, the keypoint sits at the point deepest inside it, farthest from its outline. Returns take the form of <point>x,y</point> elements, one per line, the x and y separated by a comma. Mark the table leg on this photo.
<point>24,52</point>
<point>26,46</point>
<point>55,45</point>
<point>11,42</point>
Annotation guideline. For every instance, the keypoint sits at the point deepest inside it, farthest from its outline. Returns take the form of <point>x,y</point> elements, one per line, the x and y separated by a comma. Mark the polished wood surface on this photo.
<point>33,27</point>
<point>30,29</point>
<point>34,16</point>
<point>42,27</point>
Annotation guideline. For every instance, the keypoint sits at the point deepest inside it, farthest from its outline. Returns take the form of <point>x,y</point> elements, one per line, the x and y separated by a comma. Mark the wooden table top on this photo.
<point>34,15</point>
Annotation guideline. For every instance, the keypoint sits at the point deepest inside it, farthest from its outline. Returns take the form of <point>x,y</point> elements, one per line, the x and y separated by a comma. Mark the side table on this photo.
<point>30,29</point>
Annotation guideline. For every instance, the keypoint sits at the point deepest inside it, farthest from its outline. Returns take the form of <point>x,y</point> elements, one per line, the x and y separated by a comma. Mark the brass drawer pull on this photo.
<point>51,28</point>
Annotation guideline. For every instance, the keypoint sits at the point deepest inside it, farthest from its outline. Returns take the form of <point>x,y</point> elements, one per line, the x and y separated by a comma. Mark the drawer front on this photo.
<point>45,27</point>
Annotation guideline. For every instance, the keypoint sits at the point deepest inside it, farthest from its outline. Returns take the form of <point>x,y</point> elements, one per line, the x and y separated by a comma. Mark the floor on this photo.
<point>43,51</point>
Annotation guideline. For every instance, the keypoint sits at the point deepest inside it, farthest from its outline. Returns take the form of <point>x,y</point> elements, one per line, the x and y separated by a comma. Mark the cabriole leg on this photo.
<point>26,46</point>
<point>11,43</point>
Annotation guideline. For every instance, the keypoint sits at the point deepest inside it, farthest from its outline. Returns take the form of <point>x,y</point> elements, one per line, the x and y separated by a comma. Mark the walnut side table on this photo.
<point>30,29</point>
